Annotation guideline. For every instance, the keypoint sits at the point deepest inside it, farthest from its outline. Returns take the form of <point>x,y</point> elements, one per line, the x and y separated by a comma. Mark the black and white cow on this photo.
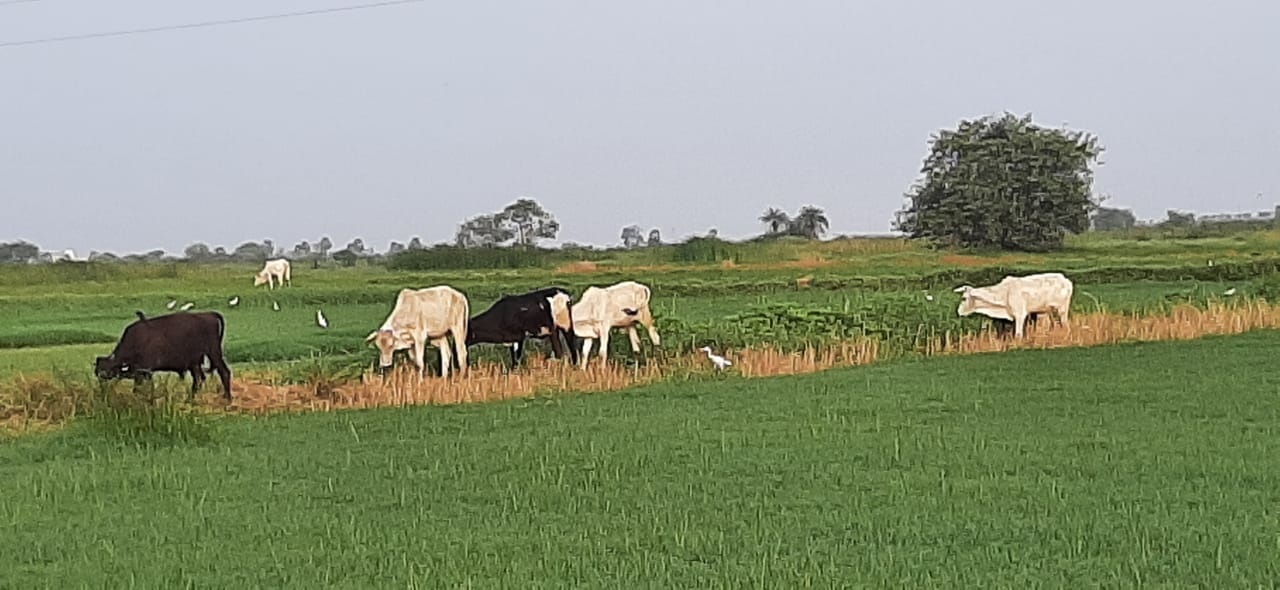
<point>545,313</point>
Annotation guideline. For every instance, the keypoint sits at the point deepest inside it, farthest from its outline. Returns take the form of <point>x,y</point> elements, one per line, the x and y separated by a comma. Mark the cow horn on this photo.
<point>372,335</point>
<point>962,289</point>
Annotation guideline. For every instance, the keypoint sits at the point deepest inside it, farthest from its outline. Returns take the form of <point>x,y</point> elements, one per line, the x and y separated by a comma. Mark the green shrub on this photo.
<point>706,250</point>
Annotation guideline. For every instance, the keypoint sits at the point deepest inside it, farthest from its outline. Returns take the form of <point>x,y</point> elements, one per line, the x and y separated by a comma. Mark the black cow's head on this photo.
<point>108,367</point>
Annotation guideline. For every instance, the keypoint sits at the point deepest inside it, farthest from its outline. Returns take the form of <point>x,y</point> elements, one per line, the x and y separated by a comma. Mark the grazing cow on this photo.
<point>176,342</point>
<point>542,314</point>
<point>618,306</point>
<point>421,316</point>
<point>273,271</point>
<point>1016,298</point>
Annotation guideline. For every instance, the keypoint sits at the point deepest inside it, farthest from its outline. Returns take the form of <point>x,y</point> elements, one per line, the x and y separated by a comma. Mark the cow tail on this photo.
<point>222,332</point>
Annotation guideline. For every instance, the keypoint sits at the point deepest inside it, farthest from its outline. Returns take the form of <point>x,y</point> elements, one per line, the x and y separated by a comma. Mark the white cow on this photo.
<point>1015,298</point>
<point>619,306</point>
<point>274,270</point>
<point>421,316</point>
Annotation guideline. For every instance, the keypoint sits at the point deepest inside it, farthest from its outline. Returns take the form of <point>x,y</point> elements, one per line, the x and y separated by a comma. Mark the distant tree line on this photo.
<point>994,182</point>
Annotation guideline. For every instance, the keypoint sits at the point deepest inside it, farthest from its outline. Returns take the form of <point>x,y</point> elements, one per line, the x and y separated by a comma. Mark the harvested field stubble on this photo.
<point>489,382</point>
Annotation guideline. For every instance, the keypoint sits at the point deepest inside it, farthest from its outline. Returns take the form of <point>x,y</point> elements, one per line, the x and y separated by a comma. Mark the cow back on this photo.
<point>174,341</point>
<point>1039,292</point>
<point>430,312</point>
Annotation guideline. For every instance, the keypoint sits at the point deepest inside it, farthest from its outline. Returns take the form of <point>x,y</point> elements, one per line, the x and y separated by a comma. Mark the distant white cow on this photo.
<point>619,306</point>
<point>272,271</point>
<point>1015,298</point>
<point>421,316</point>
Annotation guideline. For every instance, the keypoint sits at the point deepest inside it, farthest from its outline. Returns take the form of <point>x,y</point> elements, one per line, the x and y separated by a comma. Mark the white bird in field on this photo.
<point>234,301</point>
<point>1229,292</point>
<point>275,306</point>
<point>187,305</point>
<point>172,304</point>
<point>719,361</point>
<point>320,319</point>
<point>928,297</point>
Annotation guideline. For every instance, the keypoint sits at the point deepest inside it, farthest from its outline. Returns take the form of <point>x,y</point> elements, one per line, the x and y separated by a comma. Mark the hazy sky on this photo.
<point>403,120</point>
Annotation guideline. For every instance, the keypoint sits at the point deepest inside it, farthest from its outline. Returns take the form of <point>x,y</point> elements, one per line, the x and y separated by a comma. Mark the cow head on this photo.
<point>560,303</point>
<point>387,343</point>
<point>978,301</point>
<point>260,278</point>
<point>108,367</point>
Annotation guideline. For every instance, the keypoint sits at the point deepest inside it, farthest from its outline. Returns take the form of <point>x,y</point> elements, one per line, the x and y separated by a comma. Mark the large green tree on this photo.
<point>811,222</point>
<point>776,220</point>
<point>1110,219</point>
<point>523,222</point>
<point>1003,182</point>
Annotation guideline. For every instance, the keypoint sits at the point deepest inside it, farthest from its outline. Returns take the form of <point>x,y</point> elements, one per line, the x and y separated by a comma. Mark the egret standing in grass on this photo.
<point>187,305</point>
<point>275,306</point>
<point>320,320</point>
<point>172,304</point>
<point>1229,292</point>
<point>719,361</point>
<point>234,301</point>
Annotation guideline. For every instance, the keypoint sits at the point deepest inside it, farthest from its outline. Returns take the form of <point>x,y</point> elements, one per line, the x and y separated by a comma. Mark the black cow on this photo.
<point>177,342</point>
<point>513,318</point>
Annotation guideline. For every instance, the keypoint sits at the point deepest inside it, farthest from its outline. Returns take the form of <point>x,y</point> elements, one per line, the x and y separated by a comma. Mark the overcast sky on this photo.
<point>403,120</point>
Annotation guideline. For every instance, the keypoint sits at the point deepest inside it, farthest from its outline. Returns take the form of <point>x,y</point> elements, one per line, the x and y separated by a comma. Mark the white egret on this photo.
<point>719,361</point>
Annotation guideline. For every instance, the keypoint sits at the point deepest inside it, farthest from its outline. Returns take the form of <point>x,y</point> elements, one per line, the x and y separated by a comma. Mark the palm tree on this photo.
<point>811,222</point>
<point>776,219</point>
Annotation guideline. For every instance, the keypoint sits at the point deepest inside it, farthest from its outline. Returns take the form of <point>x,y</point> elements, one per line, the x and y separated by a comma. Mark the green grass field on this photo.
<point>58,317</point>
<point>1130,465</point>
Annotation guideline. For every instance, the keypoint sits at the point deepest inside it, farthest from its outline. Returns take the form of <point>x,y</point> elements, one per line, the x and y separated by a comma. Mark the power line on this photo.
<point>211,23</point>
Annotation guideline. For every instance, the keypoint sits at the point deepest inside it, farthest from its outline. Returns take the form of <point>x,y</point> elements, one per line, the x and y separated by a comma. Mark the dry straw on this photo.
<point>489,382</point>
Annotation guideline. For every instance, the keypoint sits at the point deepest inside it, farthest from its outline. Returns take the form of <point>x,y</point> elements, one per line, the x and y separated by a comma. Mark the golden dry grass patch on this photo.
<point>491,382</point>
<point>263,393</point>
<point>579,267</point>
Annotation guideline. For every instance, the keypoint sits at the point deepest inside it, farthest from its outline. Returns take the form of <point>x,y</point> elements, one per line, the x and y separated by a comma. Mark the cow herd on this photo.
<point>180,342</point>
<point>437,314</point>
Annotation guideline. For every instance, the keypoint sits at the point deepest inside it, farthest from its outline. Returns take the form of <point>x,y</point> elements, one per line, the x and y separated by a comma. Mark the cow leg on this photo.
<point>460,352</point>
<point>557,347</point>
<point>1019,326</point>
<point>142,378</point>
<point>586,353</point>
<point>517,352</point>
<point>1062,318</point>
<point>419,356</point>
<point>219,364</point>
<point>604,347</point>
<point>571,344</point>
<point>442,344</point>
<point>635,339</point>
<point>197,378</point>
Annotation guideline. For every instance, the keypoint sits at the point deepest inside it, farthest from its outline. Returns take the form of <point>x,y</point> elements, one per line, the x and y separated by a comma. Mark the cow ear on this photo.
<point>962,289</point>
